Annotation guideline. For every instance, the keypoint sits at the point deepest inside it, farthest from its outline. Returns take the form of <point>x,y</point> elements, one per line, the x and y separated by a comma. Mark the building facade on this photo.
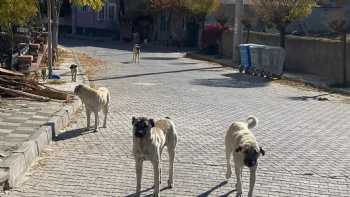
<point>85,21</point>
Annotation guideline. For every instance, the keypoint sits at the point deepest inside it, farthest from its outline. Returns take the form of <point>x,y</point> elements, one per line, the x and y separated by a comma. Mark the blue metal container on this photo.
<point>246,56</point>
<point>244,50</point>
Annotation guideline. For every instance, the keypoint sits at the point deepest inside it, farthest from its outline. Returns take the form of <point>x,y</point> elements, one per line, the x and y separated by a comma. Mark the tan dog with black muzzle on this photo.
<point>241,142</point>
<point>149,139</point>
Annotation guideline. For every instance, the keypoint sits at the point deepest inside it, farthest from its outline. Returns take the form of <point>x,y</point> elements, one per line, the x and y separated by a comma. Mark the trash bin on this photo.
<point>256,58</point>
<point>245,57</point>
<point>273,60</point>
<point>249,56</point>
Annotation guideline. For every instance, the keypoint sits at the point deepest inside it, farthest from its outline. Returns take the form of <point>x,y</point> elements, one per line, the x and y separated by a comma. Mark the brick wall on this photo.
<point>321,57</point>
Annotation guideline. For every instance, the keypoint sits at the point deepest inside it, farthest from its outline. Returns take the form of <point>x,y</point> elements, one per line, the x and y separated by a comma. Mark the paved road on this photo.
<point>306,140</point>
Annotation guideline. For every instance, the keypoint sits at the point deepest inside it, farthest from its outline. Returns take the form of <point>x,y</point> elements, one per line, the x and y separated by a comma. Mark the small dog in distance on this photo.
<point>74,71</point>
<point>136,53</point>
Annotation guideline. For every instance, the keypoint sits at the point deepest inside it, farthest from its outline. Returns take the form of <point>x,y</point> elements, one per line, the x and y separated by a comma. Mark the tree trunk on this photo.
<point>344,58</point>
<point>248,35</point>
<point>12,47</point>
<point>201,22</point>
<point>55,22</point>
<point>49,15</point>
<point>74,24</point>
<point>282,37</point>
<point>237,35</point>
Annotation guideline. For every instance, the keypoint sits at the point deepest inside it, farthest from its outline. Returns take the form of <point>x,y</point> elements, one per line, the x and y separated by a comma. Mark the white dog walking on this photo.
<point>95,100</point>
<point>241,142</point>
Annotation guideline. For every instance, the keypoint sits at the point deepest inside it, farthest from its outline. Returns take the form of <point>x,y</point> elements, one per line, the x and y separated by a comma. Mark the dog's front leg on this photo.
<point>252,181</point>
<point>228,150</point>
<point>238,171</point>
<point>156,177</point>
<point>138,163</point>
<point>88,114</point>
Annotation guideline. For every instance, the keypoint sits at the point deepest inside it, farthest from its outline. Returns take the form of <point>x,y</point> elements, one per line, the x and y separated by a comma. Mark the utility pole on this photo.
<point>49,22</point>
<point>237,31</point>
<point>344,58</point>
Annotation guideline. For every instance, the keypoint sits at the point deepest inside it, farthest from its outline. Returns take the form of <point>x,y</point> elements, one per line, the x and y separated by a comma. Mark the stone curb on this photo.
<point>13,168</point>
<point>315,85</point>
<point>209,59</point>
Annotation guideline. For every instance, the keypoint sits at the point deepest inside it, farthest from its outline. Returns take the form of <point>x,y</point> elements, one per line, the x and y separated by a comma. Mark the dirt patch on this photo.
<point>90,64</point>
<point>324,94</point>
<point>64,54</point>
<point>56,82</point>
<point>297,84</point>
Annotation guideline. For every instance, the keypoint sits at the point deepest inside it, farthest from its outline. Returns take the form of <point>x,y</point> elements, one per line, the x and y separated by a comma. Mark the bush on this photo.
<point>211,38</point>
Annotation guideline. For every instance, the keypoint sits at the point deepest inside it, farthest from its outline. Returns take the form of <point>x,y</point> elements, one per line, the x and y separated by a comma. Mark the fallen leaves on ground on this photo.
<point>91,65</point>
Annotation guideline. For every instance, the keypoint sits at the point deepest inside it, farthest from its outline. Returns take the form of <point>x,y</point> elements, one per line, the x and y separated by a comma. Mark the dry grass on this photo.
<point>297,84</point>
<point>64,53</point>
<point>90,64</point>
<point>56,82</point>
<point>332,95</point>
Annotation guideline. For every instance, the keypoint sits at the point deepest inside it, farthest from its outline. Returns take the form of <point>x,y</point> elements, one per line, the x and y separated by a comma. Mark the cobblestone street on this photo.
<point>306,140</point>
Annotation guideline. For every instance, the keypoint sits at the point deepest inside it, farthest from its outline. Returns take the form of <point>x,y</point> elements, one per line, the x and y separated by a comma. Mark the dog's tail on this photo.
<point>252,122</point>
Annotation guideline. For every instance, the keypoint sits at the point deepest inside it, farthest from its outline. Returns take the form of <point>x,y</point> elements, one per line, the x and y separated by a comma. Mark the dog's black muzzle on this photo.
<point>140,134</point>
<point>250,163</point>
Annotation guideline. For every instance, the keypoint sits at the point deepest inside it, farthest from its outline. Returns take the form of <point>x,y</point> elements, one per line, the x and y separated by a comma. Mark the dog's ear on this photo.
<point>151,122</point>
<point>239,149</point>
<point>262,151</point>
<point>133,120</point>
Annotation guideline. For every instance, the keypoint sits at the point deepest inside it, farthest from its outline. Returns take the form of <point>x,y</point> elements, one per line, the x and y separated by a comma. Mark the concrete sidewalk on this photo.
<point>312,80</point>
<point>26,126</point>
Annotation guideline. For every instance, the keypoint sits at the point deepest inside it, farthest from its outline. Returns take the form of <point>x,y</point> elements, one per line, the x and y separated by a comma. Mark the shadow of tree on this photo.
<point>233,80</point>
<point>154,73</point>
<point>119,45</point>
<point>160,58</point>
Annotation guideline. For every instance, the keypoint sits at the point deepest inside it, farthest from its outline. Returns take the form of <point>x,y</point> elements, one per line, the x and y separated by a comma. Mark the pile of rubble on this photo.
<point>14,84</point>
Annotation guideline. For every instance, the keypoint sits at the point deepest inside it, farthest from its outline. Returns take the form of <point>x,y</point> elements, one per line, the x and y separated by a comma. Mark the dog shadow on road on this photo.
<point>146,190</point>
<point>73,134</point>
<point>207,193</point>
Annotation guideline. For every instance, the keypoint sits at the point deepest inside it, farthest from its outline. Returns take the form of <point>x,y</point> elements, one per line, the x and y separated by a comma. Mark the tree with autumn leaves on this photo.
<point>15,13</point>
<point>281,13</point>
<point>198,9</point>
<point>56,8</point>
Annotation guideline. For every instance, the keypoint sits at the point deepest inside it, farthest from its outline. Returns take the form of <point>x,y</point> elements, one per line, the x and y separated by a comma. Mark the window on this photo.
<point>162,22</point>
<point>84,9</point>
<point>111,12</point>
<point>101,14</point>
